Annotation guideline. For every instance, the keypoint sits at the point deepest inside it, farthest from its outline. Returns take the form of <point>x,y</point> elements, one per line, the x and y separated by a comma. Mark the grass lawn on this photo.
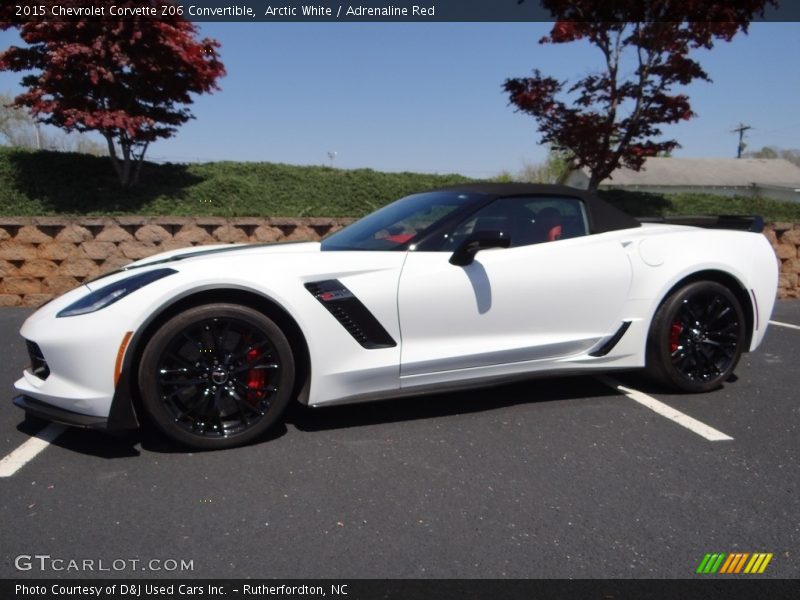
<point>39,183</point>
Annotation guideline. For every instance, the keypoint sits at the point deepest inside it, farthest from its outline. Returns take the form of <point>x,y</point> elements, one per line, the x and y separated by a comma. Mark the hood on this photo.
<point>201,251</point>
<point>198,253</point>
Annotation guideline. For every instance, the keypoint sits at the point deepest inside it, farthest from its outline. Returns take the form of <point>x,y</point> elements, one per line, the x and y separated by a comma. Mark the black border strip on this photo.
<point>703,587</point>
<point>332,11</point>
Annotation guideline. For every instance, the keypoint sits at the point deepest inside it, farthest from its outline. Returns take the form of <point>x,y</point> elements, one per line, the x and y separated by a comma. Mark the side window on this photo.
<point>528,220</point>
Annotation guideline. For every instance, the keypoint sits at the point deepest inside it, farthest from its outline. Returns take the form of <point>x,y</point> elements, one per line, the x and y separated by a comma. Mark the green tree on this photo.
<point>19,129</point>
<point>613,117</point>
<point>553,170</point>
<point>793,156</point>
<point>130,80</point>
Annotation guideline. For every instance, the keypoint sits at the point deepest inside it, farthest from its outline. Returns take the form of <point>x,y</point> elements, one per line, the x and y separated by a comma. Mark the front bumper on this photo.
<point>73,359</point>
<point>42,410</point>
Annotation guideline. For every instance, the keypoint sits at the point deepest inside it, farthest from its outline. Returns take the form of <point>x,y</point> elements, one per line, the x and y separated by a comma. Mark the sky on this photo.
<point>427,96</point>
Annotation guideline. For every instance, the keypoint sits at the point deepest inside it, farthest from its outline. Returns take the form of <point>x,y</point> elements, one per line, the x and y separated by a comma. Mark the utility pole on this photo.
<point>740,130</point>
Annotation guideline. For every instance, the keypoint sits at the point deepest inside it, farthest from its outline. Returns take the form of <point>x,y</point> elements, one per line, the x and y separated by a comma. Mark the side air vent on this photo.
<point>612,341</point>
<point>351,314</point>
<point>38,363</point>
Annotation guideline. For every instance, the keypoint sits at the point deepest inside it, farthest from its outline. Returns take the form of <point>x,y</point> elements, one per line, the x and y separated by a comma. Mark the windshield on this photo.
<point>400,223</point>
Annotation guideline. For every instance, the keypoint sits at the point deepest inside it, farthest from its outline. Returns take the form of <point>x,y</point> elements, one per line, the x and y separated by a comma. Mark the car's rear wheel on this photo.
<point>696,338</point>
<point>216,376</point>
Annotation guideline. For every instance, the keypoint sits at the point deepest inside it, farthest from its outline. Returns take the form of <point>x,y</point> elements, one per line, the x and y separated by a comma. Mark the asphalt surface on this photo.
<point>549,478</point>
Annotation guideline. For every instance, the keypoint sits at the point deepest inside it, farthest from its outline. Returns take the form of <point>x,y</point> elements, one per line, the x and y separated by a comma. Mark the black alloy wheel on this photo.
<point>216,376</point>
<point>697,337</point>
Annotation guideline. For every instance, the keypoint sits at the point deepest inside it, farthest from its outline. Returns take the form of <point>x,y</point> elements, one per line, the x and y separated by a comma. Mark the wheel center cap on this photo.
<point>219,376</point>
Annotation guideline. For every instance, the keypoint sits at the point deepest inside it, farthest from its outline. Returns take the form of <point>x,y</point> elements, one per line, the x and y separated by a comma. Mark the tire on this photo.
<point>216,376</point>
<point>696,338</point>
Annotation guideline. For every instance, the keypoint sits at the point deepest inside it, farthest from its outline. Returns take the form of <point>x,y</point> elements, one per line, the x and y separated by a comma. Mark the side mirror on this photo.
<point>465,253</point>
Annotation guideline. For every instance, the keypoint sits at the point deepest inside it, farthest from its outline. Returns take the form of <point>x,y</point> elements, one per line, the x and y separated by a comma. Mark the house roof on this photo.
<point>709,172</point>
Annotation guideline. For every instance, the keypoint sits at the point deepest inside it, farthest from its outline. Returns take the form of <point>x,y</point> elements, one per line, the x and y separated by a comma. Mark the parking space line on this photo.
<point>28,450</point>
<point>667,411</point>
<point>787,325</point>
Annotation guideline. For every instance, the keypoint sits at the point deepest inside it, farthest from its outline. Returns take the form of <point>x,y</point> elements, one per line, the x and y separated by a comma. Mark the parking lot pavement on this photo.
<point>548,478</point>
<point>12,361</point>
<point>787,313</point>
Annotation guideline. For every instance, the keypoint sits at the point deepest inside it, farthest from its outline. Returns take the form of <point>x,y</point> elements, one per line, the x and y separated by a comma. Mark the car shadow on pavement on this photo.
<point>86,441</point>
<point>127,444</point>
<point>639,381</point>
<point>98,444</point>
<point>445,404</point>
<point>148,439</point>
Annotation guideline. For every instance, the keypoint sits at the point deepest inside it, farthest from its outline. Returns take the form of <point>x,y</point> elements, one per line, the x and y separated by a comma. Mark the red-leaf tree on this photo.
<point>613,117</point>
<point>128,78</point>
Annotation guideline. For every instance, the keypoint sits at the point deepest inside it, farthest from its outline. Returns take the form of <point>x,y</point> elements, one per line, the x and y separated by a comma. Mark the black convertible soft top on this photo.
<point>602,216</point>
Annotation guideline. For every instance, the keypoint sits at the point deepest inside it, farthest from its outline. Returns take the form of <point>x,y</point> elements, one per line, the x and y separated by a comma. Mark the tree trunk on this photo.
<point>112,154</point>
<point>126,163</point>
<point>594,182</point>
<point>139,161</point>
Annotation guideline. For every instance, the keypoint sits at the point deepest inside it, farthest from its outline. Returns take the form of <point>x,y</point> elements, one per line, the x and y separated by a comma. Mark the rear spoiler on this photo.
<point>753,223</point>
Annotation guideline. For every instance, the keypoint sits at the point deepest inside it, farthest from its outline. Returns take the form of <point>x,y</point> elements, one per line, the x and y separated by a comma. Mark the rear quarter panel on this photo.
<point>665,255</point>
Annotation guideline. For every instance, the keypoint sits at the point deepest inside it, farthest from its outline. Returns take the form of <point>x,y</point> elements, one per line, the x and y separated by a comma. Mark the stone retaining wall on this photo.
<point>785,239</point>
<point>42,257</point>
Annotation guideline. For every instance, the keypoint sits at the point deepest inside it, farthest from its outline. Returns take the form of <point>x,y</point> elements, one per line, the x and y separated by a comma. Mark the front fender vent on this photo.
<point>351,314</point>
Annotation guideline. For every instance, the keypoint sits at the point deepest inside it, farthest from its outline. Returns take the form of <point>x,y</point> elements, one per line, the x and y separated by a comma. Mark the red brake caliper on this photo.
<point>256,379</point>
<point>675,336</point>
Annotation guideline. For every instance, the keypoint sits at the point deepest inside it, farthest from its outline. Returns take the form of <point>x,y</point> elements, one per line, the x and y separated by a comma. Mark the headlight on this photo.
<point>109,294</point>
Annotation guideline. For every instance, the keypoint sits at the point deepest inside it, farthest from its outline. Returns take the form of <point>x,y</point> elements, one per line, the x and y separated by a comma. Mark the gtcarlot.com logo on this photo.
<point>734,563</point>
<point>45,562</point>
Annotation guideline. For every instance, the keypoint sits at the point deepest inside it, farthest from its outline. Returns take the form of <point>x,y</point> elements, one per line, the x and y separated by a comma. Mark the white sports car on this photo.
<point>447,289</point>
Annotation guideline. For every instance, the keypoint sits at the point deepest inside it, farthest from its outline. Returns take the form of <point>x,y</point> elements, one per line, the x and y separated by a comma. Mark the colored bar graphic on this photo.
<point>711,562</point>
<point>703,563</point>
<point>757,558</point>
<point>765,563</point>
<point>717,564</point>
<point>741,562</point>
<point>726,566</point>
<point>738,558</point>
<point>722,563</point>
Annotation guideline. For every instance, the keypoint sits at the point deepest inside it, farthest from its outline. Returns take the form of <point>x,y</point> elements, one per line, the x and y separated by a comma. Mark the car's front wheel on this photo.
<point>697,337</point>
<point>216,376</point>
